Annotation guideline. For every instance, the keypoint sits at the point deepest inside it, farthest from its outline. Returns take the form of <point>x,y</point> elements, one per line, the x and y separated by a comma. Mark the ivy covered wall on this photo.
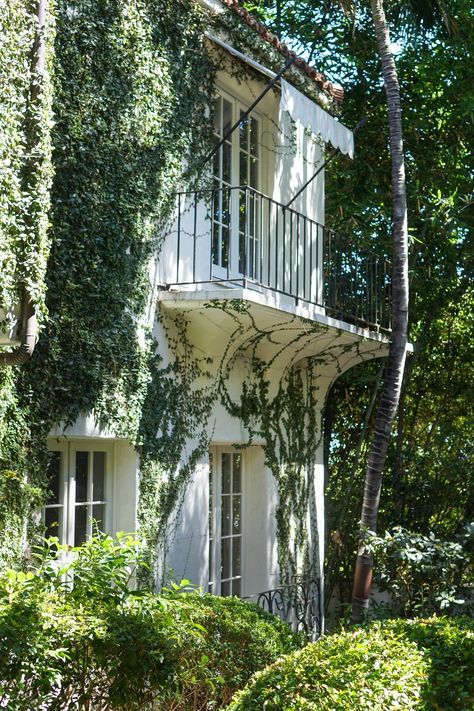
<point>130,86</point>
<point>131,83</point>
<point>25,155</point>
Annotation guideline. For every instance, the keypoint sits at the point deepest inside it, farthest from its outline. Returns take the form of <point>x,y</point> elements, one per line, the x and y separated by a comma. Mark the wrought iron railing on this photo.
<point>298,604</point>
<point>357,283</point>
<point>239,235</point>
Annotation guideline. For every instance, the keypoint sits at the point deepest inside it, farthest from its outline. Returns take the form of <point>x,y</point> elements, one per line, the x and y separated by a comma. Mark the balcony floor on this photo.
<point>271,323</point>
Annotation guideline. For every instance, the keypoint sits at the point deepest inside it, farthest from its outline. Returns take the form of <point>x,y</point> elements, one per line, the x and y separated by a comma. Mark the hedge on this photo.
<point>398,664</point>
<point>98,644</point>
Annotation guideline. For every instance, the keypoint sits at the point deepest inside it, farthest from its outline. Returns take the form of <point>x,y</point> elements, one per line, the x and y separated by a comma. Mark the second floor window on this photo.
<point>236,210</point>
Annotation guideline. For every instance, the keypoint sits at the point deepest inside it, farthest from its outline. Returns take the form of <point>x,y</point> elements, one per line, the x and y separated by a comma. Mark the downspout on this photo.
<point>29,333</point>
<point>29,321</point>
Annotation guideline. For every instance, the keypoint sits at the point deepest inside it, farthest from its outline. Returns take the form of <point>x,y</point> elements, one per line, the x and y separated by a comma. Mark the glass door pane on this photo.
<point>90,493</point>
<point>231,517</point>
<point>53,510</point>
<point>222,182</point>
<point>250,257</point>
<point>225,523</point>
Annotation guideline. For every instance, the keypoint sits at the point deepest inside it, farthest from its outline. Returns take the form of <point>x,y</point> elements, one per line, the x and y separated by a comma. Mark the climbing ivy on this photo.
<point>25,156</point>
<point>131,95</point>
<point>131,90</point>
<point>283,413</point>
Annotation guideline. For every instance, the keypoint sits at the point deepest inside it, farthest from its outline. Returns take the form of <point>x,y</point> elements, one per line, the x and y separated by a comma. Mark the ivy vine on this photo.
<point>25,158</point>
<point>129,84</point>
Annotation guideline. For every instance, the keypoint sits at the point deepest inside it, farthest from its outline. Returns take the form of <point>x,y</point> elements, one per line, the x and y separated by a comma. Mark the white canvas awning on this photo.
<point>314,118</point>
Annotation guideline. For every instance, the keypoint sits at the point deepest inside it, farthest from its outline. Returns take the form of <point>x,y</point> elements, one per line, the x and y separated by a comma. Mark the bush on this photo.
<point>397,664</point>
<point>424,575</point>
<point>99,644</point>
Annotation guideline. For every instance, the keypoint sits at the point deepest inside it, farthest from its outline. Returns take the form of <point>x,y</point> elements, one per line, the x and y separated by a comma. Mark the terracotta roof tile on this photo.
<point>333,90</point>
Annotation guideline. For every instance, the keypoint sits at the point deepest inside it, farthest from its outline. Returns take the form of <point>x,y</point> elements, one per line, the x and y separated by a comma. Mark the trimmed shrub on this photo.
<point>397,664</point>
<point>99,644</point>
<point>238,639</point>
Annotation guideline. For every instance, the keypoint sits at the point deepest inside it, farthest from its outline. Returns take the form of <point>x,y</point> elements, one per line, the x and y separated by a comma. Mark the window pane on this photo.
<point>54,478</point>
<point>225,588</point>
<point>215,243</point>
<point>225,247</point>
<point>52,522</point>
<point>226,116</point>
<point>225,557</point>
<point>82,462</point>
<point>253,173</point>
<point>236,588</point>
<point>225,473</point>
<point>211,563</point>
<point>217,115</point>
<point>98,514</point>
<point>236,556</point>
<point>226,163</point>
<point>98,474</point>
<point>237,473</point>
<point>235,514</point>
<point>225,214</point>
<point>242,211</point>
<point>244,132</point>
<point>225,521</point>
<point>243,178</point>
<point>217,163</point>
<point>80,525</point>
<point>254,137</point>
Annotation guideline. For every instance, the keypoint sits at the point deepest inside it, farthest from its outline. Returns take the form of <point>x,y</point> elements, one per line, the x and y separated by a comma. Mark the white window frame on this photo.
<point>215,519</point>
<point>67,485</point>
<point>238,105</point>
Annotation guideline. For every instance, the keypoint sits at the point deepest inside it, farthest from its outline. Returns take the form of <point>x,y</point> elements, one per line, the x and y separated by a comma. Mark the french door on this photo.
<point>236,202</point>
<point>225,521</point>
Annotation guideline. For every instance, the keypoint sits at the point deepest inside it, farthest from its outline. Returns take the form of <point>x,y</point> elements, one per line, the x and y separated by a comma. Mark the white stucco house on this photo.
<point>269,308</point>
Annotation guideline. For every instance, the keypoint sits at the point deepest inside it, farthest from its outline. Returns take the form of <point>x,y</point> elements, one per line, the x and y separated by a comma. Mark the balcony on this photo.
<point>237,236</point>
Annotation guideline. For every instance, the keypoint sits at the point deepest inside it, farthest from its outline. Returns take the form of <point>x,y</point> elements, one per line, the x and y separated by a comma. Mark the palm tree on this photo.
<point>393,377</point>
<point>426,12</point>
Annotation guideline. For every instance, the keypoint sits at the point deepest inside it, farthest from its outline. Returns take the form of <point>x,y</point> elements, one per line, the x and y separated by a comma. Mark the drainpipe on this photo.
<point>29,333</point>
<point>29,326</point>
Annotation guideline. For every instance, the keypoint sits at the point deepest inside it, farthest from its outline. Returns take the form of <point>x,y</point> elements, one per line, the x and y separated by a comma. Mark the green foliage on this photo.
<point>25,156</point>
<point>132,83</point>
<point>419,664</point>
<point>74,635</point>
<point>238,640</point>
<point>429,475</point>
<point>422,574</point>
<point>16,499</point>
<point>131,90</point>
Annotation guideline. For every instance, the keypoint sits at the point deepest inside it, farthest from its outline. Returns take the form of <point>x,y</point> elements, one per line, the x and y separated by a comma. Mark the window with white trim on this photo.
<point>80,486</point>
<point>225,522</point>
<point>236,213</point>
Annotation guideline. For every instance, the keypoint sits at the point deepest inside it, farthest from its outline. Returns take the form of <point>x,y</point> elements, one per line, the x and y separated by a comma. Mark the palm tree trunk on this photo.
<point>396,360</point>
